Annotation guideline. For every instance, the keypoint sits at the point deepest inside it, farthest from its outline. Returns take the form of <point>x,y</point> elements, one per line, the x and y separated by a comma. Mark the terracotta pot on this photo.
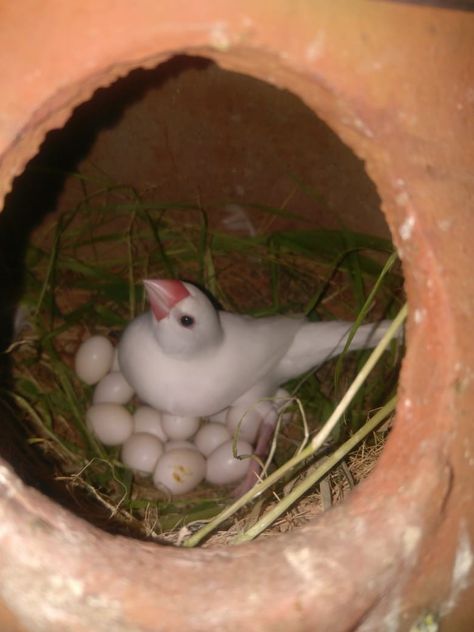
<point>395,82</point>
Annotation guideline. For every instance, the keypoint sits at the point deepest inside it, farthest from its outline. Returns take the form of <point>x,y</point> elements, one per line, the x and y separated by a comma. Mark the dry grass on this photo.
<point>85,277</point>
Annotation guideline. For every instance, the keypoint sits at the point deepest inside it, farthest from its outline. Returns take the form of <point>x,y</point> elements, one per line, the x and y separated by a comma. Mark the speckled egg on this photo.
<point>179,471</point>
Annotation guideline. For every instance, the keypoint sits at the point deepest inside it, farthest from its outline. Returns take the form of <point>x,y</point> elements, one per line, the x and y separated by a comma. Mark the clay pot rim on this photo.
<point>389,516</point>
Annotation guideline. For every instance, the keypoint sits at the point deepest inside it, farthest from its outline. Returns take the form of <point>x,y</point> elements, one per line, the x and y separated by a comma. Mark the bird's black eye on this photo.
<point>186,321</point>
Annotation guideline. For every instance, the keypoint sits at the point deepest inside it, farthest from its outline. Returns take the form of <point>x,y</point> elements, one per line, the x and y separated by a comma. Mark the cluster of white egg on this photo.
<point>178,452</point>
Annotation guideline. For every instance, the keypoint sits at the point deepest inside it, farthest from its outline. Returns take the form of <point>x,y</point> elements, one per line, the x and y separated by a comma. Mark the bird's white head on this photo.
<point>185,322</point>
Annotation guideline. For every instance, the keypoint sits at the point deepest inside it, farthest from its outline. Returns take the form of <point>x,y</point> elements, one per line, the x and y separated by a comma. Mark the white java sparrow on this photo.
<point>186,358</point>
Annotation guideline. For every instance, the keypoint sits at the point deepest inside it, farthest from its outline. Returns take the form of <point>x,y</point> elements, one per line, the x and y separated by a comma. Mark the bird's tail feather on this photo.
<point>316,343</point>
<point>365,337</point>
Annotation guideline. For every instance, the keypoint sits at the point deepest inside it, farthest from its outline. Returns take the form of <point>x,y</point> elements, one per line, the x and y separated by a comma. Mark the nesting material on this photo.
<point>84,284</point>
<point>332,491</point>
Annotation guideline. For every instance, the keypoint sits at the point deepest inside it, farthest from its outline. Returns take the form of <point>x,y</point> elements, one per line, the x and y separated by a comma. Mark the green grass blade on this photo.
<point>315,444</point>
<point>310,480</point>
<point>363,313</point>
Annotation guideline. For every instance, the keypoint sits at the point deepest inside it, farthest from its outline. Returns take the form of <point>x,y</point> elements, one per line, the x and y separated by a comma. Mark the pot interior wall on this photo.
<point>187,131</point>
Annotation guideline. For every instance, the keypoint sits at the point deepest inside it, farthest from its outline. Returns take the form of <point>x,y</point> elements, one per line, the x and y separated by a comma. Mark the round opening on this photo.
<point>189,172</point>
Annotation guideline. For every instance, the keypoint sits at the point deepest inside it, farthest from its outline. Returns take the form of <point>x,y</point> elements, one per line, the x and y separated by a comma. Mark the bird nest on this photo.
<point>84,277</point>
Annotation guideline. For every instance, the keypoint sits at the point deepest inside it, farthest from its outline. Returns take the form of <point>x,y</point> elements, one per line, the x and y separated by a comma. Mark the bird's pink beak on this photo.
<point>163,295</point>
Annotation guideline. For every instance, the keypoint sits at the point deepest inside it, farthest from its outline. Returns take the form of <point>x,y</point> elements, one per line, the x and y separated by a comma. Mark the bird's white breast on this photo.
<point>207,383</point>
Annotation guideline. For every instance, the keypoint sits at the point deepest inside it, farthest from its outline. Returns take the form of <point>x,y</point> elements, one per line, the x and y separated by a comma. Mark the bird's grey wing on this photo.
<point>315,343</point>
<point>253,347</point>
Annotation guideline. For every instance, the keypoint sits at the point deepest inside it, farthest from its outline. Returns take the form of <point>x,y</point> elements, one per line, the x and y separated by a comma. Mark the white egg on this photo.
<point>94,359</point>
<point>113,388</point>
<point>210,437</point>
<point>180,427</point>
<point>112,424</point>
<point>180,445</point>
<point>179,471</point>
<point>223,468</point>
<point>243,423</point>
<point>148,419</point>
<point>141,452</point>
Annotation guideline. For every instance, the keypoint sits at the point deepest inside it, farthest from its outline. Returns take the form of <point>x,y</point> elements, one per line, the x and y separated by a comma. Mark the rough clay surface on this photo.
<point>396,82</point>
